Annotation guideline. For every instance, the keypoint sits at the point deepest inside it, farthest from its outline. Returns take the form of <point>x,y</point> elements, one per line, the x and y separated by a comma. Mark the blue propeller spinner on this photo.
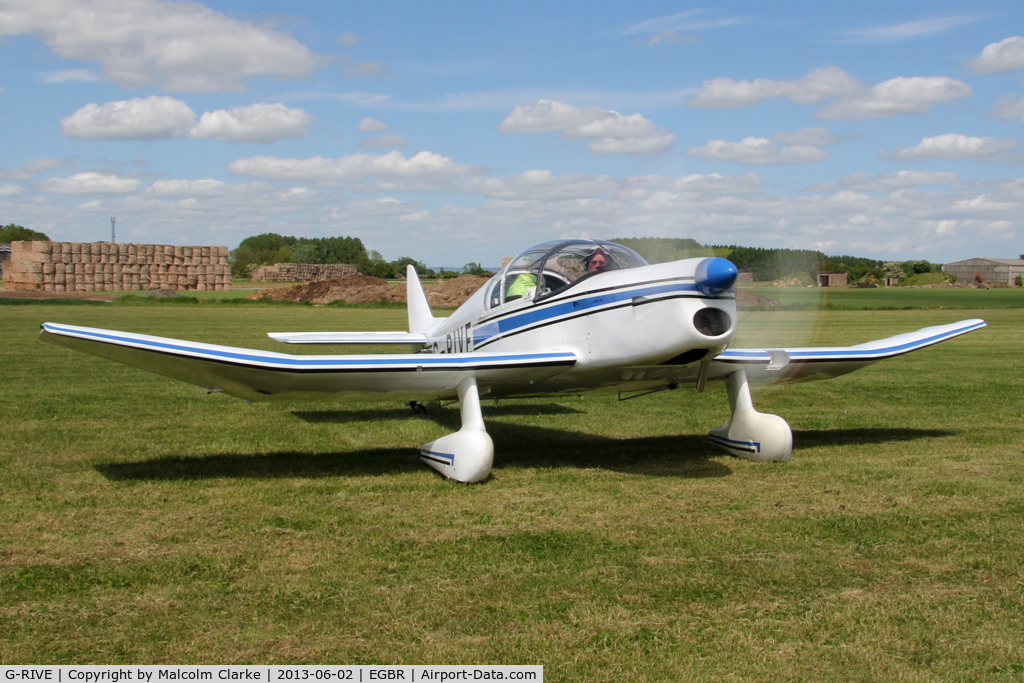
<point>715,276</point>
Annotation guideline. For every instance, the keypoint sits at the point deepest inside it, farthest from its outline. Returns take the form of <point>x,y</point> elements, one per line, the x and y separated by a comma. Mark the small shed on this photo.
<point>833,280</point>
<point>1002,270</point>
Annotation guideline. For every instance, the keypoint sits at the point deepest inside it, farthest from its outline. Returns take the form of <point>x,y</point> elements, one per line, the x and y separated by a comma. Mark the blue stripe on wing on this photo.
<point>279,361</point>
<point>869,351</point>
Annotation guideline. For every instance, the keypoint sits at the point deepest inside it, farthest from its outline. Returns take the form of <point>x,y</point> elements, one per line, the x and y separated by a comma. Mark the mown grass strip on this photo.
<point>144,521</point>
<point>60,301</point>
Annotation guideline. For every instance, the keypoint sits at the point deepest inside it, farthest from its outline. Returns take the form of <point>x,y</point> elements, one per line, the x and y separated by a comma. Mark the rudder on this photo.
<point>421,320</point>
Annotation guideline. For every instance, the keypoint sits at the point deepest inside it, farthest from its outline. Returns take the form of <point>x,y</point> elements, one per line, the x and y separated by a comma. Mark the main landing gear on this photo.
<point>751,435</point>
<point>466,455</point>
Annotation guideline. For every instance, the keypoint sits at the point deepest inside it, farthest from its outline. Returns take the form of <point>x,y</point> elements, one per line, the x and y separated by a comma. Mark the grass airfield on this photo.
<point>143,521</point>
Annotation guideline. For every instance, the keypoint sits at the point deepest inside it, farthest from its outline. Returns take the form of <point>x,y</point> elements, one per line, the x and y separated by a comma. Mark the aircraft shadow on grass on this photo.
<point>687,456</point>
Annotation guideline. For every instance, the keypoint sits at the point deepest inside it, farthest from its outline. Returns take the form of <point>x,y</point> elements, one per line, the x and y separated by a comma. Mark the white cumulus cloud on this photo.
<point>32,168</point>
<point>189,188</point>
<point>607,131</point>
<point>866,182</point>
<point>90,183</point>
<point>423,171</point>
<point>159,117</point>
<point>83,75</point>
<point>758,151</point>
<point>852,99</point>
<point>137,119</point>
<point>1006,55</point>
<point>896,96</point>
<point>817,86</point>
<point>956,146</point>
<point>180,46</point>
<point>254,123</point>
<point>542,184</point>
<point>1008,109</point>
<point>370,125</point>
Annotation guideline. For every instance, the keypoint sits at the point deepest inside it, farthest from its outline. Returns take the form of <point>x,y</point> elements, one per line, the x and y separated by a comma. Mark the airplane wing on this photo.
<point>257,375</point>
<point>407,338</point>
<point>806,364</point>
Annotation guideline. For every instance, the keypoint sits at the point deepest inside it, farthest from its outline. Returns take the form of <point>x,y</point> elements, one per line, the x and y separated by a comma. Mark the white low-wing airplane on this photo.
<point>563,318</point>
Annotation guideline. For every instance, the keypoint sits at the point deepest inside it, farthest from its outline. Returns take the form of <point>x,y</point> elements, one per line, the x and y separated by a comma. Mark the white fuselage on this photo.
<point>616,323</point>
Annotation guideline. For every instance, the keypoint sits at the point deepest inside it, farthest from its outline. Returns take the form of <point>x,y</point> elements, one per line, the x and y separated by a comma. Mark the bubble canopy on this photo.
<point>547,269</point>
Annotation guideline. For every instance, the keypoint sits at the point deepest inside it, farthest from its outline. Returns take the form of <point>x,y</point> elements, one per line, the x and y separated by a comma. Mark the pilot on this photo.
<point>598,261</point>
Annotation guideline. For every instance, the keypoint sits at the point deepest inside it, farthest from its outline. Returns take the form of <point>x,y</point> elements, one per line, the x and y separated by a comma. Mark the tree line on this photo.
<point>16,233</point>
<point>776,264</point>
<point>270,248</point>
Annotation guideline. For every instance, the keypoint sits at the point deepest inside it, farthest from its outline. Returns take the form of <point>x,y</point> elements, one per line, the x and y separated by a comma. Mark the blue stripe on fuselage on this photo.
<point>540,313</point>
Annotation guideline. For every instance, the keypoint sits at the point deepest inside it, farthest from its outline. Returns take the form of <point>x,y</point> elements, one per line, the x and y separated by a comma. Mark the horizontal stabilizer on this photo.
<point>407,338</point>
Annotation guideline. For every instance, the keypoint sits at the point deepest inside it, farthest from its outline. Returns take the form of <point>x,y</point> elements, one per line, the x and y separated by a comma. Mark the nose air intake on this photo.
<point>715,276</point>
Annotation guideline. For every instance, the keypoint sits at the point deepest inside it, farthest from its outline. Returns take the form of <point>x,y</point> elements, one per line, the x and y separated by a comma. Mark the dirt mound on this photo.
<point>355,289</point>
<point>452,292</point>
<point>745,298</point>
<point>364,289</point>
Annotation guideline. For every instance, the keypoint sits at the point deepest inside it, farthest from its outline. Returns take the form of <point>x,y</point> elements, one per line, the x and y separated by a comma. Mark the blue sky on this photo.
<point>457,132</point>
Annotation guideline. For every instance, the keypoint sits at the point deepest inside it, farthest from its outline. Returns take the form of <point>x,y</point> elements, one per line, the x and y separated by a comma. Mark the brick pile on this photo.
<point>101,267</point>
<point>302,272</point>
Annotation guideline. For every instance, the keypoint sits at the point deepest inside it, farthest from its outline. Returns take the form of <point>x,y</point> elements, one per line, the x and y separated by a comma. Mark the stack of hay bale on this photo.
<point>101,267</point>
<point>302,272</point>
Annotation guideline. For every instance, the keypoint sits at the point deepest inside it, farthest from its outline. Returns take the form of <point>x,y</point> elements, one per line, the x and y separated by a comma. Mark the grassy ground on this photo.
<point>145,521</point>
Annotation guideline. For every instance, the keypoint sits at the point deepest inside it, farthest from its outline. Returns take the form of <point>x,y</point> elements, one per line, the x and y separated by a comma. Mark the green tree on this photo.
<point>378,267</point>
<point>403,261</point>
<point>16,233</point>
<point>305,252</point>
<point>270,248</point>
<point>664,249</point>
<point>893,269</point>
<point>917,267</point>
<point>269,241</point>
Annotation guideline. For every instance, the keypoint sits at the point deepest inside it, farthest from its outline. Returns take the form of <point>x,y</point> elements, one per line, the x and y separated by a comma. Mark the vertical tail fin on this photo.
<point>421,320</point>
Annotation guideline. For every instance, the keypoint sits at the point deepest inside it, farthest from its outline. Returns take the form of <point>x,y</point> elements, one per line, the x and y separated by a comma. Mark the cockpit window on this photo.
<point>521,276</point>
<point>555,266</point>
